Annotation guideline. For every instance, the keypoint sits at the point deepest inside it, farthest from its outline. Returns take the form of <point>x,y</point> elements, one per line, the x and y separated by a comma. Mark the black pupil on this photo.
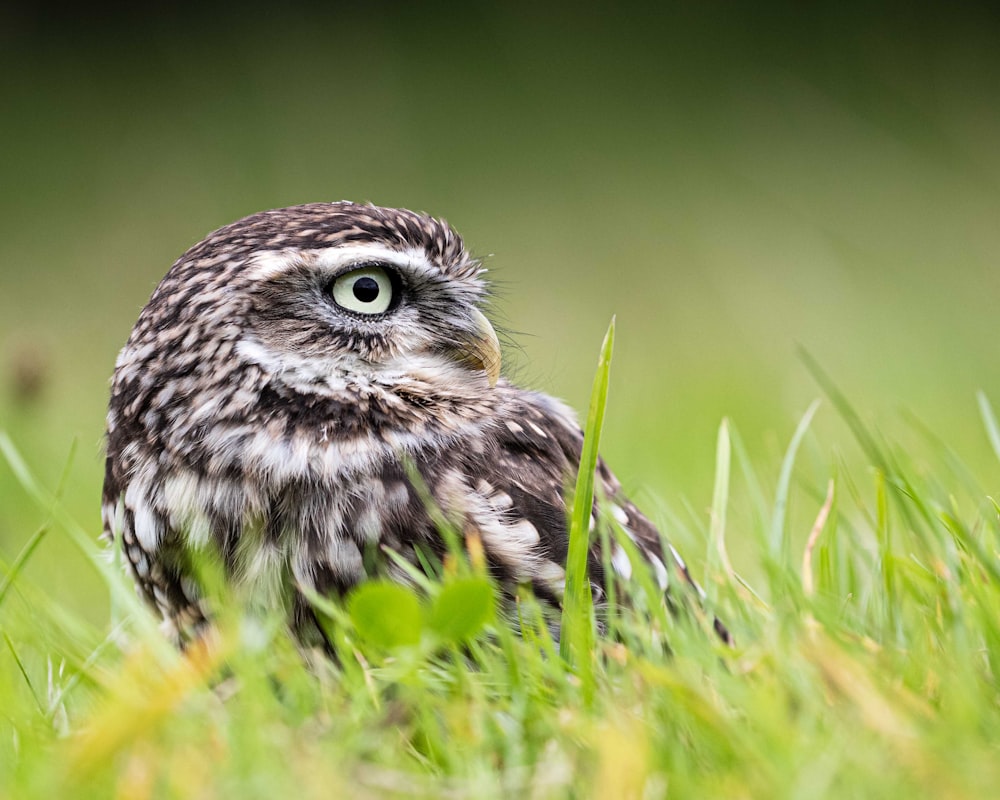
<point>366,289</point>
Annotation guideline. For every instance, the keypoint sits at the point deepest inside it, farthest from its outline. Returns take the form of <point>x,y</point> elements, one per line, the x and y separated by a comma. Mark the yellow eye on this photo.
<point>367,290</point>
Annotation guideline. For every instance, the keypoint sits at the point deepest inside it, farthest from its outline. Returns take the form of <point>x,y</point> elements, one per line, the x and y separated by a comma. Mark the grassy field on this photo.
<point>781,206</point>
<point>864,665</point>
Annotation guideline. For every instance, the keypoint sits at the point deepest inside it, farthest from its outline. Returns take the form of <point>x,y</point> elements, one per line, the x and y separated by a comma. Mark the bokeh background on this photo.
<point>732,180</point>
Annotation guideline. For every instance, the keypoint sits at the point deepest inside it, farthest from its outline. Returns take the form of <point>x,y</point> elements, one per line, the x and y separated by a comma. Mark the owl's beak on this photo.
<point>481,348</point>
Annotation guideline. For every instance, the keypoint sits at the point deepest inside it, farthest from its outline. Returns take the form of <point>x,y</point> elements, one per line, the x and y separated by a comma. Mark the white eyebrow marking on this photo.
<point>269,264</point>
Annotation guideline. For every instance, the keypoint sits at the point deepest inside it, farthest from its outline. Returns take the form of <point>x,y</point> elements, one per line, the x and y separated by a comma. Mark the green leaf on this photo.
<point>386,614</point>
<point>462,609</point>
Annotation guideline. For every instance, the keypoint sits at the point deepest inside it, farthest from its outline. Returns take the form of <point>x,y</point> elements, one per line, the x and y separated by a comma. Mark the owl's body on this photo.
<point>285,379</point>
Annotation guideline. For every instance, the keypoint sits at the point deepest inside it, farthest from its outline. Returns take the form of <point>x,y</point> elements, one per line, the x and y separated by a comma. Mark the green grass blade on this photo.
<point>720,501</point>
<point>886,561</point>
<point>759,504</point>
<point>36,538</point>
<point>990,421</point>
<point>122,593</point>
<point>880,457</point>
<point>577,640</point>
<point>846,410</point>
<point>19,562</point>
<point>24,674</point>
<point>779,547</point>
<point>109,641</point>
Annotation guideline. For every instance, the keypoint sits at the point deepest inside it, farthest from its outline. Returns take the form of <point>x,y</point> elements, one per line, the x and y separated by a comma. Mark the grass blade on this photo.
<point>24,674</point>
<point>21,560</point>
<point>36,538</point>
<point>990,421</point>
<point>720,501</point>
<point>577,640</point>
<point>779,546</point>
<point>120,590</point>
<point>846,410</point>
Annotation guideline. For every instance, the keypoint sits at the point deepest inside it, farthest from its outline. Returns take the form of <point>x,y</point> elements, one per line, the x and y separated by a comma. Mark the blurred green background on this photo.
<point>730,180</point>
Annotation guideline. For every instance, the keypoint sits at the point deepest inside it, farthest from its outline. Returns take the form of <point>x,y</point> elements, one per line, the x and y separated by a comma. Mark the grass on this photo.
<point>864,662</point>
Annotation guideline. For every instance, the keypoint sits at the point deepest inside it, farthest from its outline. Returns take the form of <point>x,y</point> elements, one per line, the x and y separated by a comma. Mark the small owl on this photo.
<point>281,386</point>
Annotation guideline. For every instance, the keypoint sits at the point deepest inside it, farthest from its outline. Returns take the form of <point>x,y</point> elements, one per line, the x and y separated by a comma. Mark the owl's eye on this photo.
<point>367,290</point>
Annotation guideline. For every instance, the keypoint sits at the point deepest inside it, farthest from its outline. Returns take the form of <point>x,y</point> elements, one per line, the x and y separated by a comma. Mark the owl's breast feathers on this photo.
<point>302,488</point>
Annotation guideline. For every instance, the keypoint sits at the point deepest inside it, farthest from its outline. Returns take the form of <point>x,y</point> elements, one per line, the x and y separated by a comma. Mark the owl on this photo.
<point>291,381</point>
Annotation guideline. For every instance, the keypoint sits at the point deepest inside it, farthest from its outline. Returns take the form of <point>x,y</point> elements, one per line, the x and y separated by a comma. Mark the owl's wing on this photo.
<point>525,483</point>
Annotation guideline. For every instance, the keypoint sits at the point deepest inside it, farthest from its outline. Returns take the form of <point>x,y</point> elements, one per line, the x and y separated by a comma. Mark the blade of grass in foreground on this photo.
<point>117,584</point>
<point>720,500</point>
<point>846,410</point>
<point>779,545</point>
<point>36,539</point>
<point>576,643</point>
<point>989,421</point>
<point>12,572</point>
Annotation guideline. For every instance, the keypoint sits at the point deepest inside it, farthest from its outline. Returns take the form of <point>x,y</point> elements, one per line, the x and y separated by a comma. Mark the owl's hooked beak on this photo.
<point>481,349</point>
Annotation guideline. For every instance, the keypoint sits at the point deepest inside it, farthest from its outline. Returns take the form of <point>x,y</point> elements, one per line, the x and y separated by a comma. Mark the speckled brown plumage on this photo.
<point>278,382</point>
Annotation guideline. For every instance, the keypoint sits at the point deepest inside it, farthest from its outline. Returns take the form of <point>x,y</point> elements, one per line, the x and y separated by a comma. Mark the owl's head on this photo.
<point>321,294</point>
